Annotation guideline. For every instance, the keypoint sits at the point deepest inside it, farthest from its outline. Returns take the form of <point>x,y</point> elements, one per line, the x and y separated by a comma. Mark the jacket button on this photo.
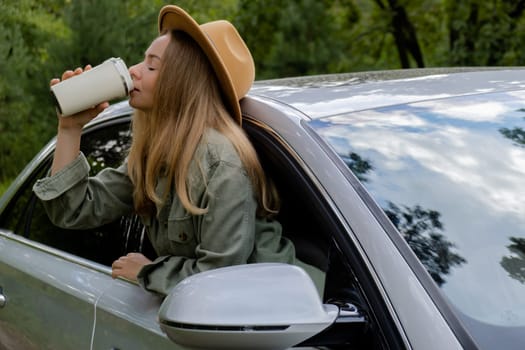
<point>183,236</point>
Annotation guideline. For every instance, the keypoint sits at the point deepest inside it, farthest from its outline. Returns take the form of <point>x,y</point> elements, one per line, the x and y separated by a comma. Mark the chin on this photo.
<point>140,106</point>
<point>135,105</point>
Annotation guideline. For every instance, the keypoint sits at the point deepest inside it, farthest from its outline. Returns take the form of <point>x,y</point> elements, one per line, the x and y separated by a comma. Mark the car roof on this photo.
<point>329,95</point>
<point>321,96</point>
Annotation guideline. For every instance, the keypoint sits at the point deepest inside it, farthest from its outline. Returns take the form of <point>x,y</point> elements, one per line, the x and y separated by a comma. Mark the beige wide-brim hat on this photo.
<point>230,57</point>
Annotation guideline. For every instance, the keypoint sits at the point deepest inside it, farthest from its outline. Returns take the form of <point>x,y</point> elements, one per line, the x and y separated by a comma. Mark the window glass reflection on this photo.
<point>449,175</point>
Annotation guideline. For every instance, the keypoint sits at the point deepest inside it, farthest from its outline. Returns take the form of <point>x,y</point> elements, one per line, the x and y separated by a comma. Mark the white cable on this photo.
<point>95,315</point>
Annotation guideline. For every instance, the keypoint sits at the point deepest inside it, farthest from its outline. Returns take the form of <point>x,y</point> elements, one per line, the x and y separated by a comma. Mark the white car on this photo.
<point>407,188</point>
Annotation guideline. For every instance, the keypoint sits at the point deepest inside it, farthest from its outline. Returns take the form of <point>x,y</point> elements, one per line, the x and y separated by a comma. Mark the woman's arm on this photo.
<point>70,128</point>
<point>70,197</point>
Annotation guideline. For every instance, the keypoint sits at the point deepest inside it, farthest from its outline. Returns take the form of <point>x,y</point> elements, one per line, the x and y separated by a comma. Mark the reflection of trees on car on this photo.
<point>422,230</point>
<point>514,263</point>
<point>516,134</point>
<point>358,165</point>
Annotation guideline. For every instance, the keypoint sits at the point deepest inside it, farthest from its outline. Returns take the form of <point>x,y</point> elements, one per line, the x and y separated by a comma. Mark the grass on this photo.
<point>3,186</point>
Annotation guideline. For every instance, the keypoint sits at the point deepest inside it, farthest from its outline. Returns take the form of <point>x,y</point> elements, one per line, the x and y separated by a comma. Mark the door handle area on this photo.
<point>3,299</point>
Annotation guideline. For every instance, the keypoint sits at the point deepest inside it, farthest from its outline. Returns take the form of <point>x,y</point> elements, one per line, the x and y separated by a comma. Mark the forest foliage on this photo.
<point>42,38</point>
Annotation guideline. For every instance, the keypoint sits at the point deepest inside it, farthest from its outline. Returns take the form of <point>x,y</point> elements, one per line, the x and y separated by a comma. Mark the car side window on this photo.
<point>105,146</point>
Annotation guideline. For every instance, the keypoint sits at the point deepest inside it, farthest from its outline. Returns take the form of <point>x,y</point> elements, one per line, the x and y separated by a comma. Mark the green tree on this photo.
<point>102,29</point>
<point>403,31</point>
<point>26,27</point>
<point>295,37</point>
<point>485,32</point>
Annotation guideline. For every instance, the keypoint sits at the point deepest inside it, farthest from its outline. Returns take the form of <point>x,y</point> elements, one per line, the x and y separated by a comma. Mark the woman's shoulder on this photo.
<point>215,137</point>
<point>216,148</point>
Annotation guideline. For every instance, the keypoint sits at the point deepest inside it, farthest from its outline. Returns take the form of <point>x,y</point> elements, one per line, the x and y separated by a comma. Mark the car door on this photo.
<point>126,318</point>
<point>49,297</point>
<point>57,283</point>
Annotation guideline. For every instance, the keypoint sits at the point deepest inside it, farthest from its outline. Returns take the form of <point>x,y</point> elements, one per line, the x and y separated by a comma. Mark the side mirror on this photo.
<point>254,306</point>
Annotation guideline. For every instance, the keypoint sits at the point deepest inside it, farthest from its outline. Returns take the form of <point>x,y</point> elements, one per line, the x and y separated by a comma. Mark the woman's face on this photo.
<point>145,74</point>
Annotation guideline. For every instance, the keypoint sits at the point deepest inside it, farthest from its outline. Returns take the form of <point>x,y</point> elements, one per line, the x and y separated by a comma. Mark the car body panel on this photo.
<point>125,308</point>
<point>345,93</point>
<point>41,290</point>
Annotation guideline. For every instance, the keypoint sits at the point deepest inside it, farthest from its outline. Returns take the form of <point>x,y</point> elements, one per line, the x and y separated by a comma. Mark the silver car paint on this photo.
<point>39,286</point>
<point>126,309</point>
<point>347,93</point>
<point>69,289</point>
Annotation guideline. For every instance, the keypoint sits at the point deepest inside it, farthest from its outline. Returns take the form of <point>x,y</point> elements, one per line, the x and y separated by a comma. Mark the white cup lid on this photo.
<point>124,73</point>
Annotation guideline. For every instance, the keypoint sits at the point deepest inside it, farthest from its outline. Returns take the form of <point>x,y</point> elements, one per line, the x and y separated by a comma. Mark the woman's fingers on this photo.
<point>69,73</point>
<point>77,71</point>
<point>128,266</point>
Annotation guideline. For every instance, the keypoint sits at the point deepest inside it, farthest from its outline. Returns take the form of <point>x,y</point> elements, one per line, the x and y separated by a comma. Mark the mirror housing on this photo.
<point>254,306</point>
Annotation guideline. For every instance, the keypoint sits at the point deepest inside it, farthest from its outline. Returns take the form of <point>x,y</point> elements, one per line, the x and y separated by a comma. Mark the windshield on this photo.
<point>450,175</point>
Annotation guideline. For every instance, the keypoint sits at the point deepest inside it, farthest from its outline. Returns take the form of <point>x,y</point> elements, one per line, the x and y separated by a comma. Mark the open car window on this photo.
<point>103,146</point>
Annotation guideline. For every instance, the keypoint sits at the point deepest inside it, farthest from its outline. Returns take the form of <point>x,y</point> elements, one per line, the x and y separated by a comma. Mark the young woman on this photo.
<point>191,173</point>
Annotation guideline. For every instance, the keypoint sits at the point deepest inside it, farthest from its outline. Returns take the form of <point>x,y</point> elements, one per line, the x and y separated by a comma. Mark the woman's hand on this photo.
<point>70,128</point>
<point>78,120</point>
<point>129,266</point>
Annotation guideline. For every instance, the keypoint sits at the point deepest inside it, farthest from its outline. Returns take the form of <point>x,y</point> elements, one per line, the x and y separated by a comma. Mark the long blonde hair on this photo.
<point>187,101</point>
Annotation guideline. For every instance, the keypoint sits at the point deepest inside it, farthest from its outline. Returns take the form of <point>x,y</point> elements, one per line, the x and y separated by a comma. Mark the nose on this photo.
<point>134,71</point>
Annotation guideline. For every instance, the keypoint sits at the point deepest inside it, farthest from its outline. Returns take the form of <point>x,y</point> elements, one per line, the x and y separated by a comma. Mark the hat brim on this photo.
<point>174,18</point>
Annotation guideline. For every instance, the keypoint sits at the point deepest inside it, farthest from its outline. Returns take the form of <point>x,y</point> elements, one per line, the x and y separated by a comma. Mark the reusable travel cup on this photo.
<point>107,81</point>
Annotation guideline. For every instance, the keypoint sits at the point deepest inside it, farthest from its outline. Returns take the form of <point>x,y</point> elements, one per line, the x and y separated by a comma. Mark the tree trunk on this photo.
<point>404,34</point>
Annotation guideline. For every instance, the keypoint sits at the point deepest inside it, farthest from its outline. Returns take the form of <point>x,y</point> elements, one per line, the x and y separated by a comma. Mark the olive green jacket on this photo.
<point>227,234</point>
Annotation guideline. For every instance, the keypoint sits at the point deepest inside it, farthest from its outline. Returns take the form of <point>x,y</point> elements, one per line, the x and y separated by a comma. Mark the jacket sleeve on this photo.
<point>225,234</point>
<point>72,199</point>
